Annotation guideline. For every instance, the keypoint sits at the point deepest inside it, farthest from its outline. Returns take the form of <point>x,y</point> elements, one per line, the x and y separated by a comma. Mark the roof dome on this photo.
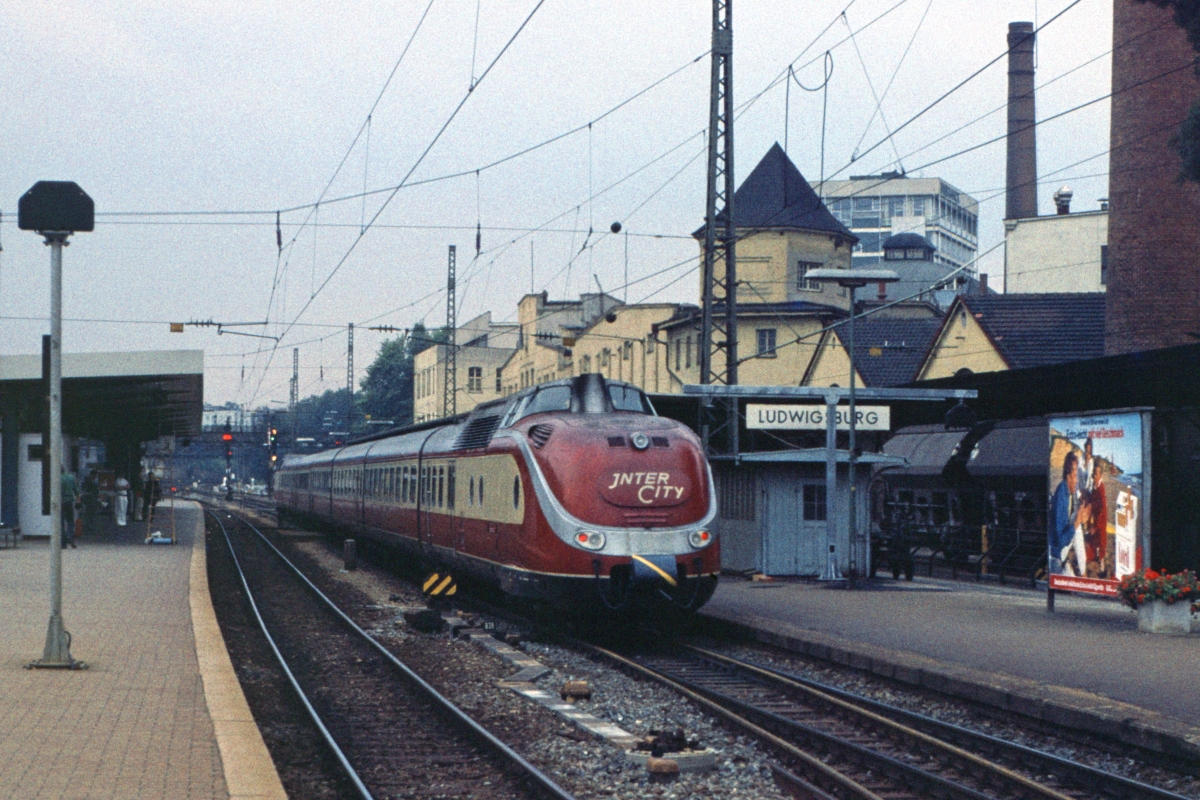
<point>907,240</point>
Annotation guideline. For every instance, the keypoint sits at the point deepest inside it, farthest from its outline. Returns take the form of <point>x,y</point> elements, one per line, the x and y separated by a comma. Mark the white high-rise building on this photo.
<point>875,207</point>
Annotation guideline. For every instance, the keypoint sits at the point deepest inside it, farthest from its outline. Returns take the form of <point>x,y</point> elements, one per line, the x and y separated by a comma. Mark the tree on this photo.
<point>1186,142</point>
<point>387,389</point>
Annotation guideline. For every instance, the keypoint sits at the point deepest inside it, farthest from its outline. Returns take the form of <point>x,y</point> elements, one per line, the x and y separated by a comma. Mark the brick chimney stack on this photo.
<point>1153,280</point>
<point>1021,200</point>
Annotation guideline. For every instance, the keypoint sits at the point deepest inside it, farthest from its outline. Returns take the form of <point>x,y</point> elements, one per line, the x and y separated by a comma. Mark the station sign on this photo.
<point>764,417</point>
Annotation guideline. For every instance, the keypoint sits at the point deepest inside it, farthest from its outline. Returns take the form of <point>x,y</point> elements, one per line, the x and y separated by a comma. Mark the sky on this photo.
<point>191,124</point>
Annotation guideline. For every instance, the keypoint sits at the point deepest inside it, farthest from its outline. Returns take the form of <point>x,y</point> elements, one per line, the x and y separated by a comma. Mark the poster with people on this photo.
<point>1095,510</point>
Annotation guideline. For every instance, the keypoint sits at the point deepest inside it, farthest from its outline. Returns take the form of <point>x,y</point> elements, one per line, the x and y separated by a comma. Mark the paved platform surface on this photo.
<point>136,723</point>
<point>1086,665</point>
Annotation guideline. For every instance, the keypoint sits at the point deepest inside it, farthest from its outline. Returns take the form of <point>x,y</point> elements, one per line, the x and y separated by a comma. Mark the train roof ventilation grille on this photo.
<point>660,441</point>
<point>540,434</point>
<point>616,441</point>
<point>477,433</point>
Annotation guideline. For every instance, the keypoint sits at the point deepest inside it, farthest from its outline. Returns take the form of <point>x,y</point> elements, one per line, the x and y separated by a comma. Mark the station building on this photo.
<point>113,403</point>
<point>482,349</point>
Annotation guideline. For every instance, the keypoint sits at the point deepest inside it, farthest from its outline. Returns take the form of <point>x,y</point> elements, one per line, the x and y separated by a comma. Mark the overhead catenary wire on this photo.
<point>589,194</point>
<point>963,83</point>
<point>437,136</point>
<point>892,80</point>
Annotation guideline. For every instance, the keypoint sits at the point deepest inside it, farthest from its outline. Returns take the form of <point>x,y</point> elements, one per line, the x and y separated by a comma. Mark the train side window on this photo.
<point>441,487</point>
<point>472,495</point>
<point>450,486</point>
<point>481,490</point>
<point>517,491</point>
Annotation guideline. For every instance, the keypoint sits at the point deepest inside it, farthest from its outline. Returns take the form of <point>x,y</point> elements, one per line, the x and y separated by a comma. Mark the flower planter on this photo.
<point>1159,617</point>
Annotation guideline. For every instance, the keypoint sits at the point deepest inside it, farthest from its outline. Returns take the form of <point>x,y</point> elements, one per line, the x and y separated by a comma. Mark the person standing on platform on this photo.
<point>68,509</point>
<point>138,486</point>
<point>121,502</point>
<point>91,501</point>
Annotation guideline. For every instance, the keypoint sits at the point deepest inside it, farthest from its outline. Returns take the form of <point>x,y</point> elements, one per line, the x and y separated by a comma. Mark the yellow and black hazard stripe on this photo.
<point>437,585</point>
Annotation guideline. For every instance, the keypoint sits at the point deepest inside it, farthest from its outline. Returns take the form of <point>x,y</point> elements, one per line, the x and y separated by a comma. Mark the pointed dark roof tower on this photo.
<point>775,195</point>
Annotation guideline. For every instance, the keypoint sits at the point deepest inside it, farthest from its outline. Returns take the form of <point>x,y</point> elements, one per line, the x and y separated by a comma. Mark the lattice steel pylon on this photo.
<point>350,378</point>
<point>718,334</point>
<point>450,373</point>
<point>294,390</point>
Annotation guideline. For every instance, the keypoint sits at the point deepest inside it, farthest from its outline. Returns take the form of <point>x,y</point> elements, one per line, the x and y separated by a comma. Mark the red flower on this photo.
<point>1151,575</point>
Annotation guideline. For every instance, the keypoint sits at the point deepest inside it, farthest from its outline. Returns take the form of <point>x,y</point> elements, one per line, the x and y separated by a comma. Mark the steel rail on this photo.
<point>1085,776</point>
<point>912,778</point>
<point>876,719</point>
<point>343,762</point>
<point>515,758</point>
<point>830,777</point>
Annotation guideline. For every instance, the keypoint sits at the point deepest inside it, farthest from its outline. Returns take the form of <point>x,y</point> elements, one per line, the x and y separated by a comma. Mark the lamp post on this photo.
<point>852,279</point>
<point>55,210</point>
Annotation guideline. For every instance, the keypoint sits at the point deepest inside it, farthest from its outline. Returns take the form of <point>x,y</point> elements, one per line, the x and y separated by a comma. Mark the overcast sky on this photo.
<point>250,107</point>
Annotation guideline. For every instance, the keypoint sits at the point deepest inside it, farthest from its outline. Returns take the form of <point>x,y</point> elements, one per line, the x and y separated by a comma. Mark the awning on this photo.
<point>1019,447</point>
<point>133,395</point>
<point>927,448</point>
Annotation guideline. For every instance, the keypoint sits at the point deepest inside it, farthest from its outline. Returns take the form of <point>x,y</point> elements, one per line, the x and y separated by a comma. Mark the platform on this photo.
<point>1085,666</point>
<point>158,713</point>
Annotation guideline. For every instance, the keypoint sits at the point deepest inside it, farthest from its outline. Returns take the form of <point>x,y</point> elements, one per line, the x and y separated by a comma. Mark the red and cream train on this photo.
<point>572,492</point>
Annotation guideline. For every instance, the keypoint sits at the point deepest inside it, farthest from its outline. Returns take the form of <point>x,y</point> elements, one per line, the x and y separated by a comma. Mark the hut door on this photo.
<point>781,528</point>
<point>811,515</point>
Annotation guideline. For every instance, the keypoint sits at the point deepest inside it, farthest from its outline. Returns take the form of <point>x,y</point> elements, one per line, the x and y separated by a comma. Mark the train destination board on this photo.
<point>812,417</point>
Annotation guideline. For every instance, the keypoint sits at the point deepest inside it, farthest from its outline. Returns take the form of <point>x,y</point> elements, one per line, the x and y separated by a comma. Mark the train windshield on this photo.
<point>627,398</point>
<point>552,398</point>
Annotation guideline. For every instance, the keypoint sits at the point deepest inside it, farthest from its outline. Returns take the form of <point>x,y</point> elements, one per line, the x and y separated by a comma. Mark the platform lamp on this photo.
<point>55,210</point>
<point>852,279</point>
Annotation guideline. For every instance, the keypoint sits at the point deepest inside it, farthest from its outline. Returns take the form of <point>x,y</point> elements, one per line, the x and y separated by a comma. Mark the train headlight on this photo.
<point>700,539</point>
<point>640,441</point>
<point>592,540</point>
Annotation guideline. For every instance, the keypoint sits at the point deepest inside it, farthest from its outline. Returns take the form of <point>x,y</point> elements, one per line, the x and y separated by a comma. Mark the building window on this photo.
<point>895,206</point>
<point>474,379</point>
<point>814,502</point>
<point>867,243</point>
<point>1103,265</point>
<point>688,361</point>
<point>803,284</point>
<point>678,351</point>
<point>499,383</point>
<point>766,342</point>
<point>918,206</point>
<point>866,212</point>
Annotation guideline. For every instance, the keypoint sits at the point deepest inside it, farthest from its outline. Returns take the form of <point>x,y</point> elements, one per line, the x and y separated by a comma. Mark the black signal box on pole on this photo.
<point>56,206</point>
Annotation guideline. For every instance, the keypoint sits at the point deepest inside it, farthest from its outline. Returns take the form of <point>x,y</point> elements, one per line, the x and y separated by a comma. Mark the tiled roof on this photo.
<point>776,195</point>
<point>888,352</point>
<point>1032,330</point>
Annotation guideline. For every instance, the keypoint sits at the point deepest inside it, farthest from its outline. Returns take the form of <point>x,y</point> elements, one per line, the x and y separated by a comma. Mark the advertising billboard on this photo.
<point>1096,500</point>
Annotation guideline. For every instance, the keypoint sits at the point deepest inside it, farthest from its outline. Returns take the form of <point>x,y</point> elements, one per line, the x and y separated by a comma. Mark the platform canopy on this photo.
<point>136,396</point>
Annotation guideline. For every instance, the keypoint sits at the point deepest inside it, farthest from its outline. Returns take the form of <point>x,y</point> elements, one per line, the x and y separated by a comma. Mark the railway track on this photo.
<point>391,732</point>
<point>844,746</point>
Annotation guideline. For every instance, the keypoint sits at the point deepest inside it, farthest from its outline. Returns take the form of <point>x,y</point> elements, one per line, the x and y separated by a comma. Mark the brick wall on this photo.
<point>1153,297</point>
